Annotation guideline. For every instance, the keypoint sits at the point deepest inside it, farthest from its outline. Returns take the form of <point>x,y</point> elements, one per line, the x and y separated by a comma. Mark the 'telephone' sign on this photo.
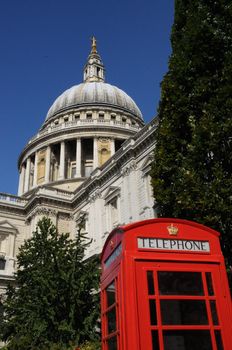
<point>174,244</point>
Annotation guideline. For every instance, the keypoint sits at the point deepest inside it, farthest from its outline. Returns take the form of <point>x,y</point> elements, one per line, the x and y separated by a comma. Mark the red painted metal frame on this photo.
<point>128,268</point>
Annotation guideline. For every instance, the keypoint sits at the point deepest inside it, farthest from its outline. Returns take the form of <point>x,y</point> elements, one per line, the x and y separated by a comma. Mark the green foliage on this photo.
<point>90,345</point>
<point>191,174</point>
<point>55,304</point>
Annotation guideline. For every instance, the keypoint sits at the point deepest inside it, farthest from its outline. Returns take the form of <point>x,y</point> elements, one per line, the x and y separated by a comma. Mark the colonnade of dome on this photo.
<point>69,159</point>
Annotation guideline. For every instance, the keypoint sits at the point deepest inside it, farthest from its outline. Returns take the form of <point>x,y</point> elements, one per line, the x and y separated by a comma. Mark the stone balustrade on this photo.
<point>54,192</point>
<point>84,122</point>
<point>5,197</point>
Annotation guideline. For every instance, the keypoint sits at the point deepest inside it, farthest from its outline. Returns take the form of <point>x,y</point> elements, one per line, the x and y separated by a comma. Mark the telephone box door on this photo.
<point>181,307</point>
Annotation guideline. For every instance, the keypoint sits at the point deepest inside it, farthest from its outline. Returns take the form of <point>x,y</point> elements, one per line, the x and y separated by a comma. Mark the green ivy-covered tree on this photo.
<point>55,303</point>
<point>191,174</point>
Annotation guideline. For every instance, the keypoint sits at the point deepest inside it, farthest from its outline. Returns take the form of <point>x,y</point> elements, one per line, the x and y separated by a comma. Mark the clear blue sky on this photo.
<point>44,46</point>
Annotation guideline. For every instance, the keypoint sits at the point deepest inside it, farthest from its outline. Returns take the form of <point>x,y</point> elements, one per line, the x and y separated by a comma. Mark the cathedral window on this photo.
<point>82,222</point>
<point>72,170</point>
<point>41,167</point>
<point>112,207</point>
<point>89,116</point>
<point>8,233</point>
<point>104,155</point>
<point>145,190</point>
<point>101,116</point>
<point>2,263</point>
<point>88,168</point>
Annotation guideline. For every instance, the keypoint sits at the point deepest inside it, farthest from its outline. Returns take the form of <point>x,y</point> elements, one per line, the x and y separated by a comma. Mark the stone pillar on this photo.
<point>21,180</point>
<point>62,160</point>
<point>35,170</point>
<point>112,147</point>
<point>78,158</point>
<point>95,153</point>
<point>48,164</point>
<point>27,176</point>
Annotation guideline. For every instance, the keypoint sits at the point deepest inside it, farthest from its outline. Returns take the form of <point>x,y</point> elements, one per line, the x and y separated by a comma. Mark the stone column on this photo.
<point>35,170</point>
<point>48,164</point>
<point>112,147</point>
<point>95,153</point>
<point>27,176</point>
<point>21,180</point>
<point>78,158</point>
<point>62,160</point>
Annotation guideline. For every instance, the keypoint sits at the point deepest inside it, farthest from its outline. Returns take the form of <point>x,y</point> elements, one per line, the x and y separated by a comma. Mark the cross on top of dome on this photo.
<point>94,70</point>
<point>94,45</point>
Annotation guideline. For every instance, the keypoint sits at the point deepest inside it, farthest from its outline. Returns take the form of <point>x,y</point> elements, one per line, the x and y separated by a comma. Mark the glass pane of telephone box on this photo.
<point>187,340</point>
<point>180,283</point>
<point>152,307</point>
<point>110,294</point>
<point>155,340</point>
<point>112,343</point>
<point>111,320</point>
<point>150,283</point>
<point>219,340</point>
<point>209,283</point>
<point>183,312</point>
<point>214,312</point>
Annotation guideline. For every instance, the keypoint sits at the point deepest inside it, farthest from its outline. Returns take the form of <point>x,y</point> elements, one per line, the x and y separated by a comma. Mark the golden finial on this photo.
<point>94,45</point>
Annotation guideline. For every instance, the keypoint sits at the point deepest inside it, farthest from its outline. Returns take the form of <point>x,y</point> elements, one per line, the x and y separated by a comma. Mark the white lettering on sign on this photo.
<point>174,244</point>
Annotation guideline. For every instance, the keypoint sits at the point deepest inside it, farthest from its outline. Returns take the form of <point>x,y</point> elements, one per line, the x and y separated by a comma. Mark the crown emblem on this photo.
<point>172,230</point>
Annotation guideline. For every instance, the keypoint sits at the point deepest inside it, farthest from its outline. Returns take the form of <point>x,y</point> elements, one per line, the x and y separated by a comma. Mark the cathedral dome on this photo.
<point>94,93</point>
<point>85,126</point>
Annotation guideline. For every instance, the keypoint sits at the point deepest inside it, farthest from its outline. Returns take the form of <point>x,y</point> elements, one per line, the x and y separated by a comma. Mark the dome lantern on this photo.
<point>94,70</point>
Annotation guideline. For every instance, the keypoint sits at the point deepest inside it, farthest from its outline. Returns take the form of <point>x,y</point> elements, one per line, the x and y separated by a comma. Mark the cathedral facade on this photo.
<point>89,161</point>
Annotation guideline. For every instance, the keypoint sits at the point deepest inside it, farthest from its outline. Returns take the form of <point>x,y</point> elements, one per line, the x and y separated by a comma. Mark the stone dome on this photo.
<point>94,94</point>
<point>84,127</point>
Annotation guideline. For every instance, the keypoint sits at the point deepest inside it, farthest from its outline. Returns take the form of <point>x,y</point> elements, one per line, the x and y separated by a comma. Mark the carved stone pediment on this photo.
<point>111,193</point>
<point>146,166</point>
<point>7,228</point>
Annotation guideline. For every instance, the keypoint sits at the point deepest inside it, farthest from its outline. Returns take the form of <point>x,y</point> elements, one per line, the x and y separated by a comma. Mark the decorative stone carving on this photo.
<point>41,211</point>
<point>96,195</point>
<point>129,168</point>
<point>65,216</point>
<point>46,211</point>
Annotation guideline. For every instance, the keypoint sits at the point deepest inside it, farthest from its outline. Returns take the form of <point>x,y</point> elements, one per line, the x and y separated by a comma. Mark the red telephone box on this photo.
<point>164,287</point>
